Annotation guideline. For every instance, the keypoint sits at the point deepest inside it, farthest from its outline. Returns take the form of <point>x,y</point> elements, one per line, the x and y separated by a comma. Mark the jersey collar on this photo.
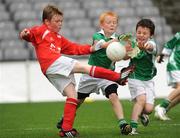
<point>112,36</point>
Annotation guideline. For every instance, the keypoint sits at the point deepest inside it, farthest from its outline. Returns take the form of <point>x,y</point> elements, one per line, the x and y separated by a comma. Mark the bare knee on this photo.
<point>141,99</point>
<point>113,97</point>
<point>148,108</point>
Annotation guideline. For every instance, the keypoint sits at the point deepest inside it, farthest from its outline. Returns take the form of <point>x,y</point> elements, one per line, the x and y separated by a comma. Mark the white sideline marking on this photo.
<point>169,124</point>
<point>27,129</point>
<point>49,128</point>
<point>138,125</point>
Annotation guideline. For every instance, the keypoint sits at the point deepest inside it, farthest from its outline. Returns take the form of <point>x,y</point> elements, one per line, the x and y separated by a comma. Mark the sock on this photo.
<point>69,113</point>
<point>165,103</point>
<point>121,122</point>
<point>99,72</point>
<point>134,124</point>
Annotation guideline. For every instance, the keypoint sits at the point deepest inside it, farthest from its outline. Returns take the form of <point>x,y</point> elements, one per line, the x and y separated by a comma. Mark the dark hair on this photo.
<point>49,11</point>
<point>148,24</point>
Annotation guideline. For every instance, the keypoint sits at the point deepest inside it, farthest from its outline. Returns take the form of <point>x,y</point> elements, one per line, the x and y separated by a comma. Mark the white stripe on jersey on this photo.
<point>45,33</point>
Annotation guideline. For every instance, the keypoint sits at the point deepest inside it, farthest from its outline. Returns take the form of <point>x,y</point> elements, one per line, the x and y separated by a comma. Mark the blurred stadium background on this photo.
<point>20,76</point>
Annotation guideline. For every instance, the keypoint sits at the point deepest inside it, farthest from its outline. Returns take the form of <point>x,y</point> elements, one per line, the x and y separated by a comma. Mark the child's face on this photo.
<point>142,34</point>
<point>55,23</point>
<point>109,25</point>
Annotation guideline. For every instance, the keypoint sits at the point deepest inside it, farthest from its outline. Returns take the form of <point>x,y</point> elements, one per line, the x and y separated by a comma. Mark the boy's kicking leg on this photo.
<point>99,72</point>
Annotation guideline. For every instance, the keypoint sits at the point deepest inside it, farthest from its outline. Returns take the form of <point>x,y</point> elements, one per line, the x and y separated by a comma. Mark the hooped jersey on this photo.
<point>50,45</point>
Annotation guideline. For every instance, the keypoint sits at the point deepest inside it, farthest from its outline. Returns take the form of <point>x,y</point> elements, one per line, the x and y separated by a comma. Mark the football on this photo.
<point>115,51</point>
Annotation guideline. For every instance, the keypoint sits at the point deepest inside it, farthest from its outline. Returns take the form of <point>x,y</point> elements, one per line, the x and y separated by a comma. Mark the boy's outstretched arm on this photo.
<point>24,34</point>
<point>102,44</point>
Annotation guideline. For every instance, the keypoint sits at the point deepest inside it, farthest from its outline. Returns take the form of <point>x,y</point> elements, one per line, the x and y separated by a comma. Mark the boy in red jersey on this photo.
<point>58,69</point>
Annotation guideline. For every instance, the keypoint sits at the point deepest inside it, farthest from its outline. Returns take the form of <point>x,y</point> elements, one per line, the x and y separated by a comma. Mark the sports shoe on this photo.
<point>69,134</point>
<point>160,113</point>
<point>144,119</point>
<point>125,72</point>
<point>59,124</point>
<point>126,129</point>
<point>134,132</point>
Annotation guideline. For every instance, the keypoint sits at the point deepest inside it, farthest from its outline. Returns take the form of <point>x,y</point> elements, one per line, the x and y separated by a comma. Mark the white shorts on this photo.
<point>59,73</point>
<point>88,84</point>
<point>173,77</point>
<point>138,87</point>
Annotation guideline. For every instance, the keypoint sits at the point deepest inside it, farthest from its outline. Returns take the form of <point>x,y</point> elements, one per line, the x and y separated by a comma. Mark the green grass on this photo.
<point>93,120</point>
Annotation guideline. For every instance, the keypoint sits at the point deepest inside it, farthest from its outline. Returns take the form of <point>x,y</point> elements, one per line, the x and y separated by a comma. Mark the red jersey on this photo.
<point>49,46</point>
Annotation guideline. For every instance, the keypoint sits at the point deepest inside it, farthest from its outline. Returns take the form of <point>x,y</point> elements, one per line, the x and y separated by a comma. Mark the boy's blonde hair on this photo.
<point>107,13</point>
<point>49,11</point>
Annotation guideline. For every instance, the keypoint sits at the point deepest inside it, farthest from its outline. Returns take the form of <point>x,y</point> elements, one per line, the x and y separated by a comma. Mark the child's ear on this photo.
<point>101,25</point>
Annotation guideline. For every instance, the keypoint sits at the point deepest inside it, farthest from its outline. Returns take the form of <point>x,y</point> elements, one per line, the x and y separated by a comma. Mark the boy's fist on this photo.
<point>24,34</point>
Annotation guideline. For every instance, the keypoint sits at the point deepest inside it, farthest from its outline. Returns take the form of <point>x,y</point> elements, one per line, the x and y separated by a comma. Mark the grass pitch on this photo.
<point>93,120</point>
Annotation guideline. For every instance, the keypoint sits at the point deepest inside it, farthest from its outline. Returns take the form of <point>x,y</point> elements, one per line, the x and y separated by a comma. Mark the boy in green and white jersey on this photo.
<point>172,50</point>
<point>108,23</point>
<point>140,82</point>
